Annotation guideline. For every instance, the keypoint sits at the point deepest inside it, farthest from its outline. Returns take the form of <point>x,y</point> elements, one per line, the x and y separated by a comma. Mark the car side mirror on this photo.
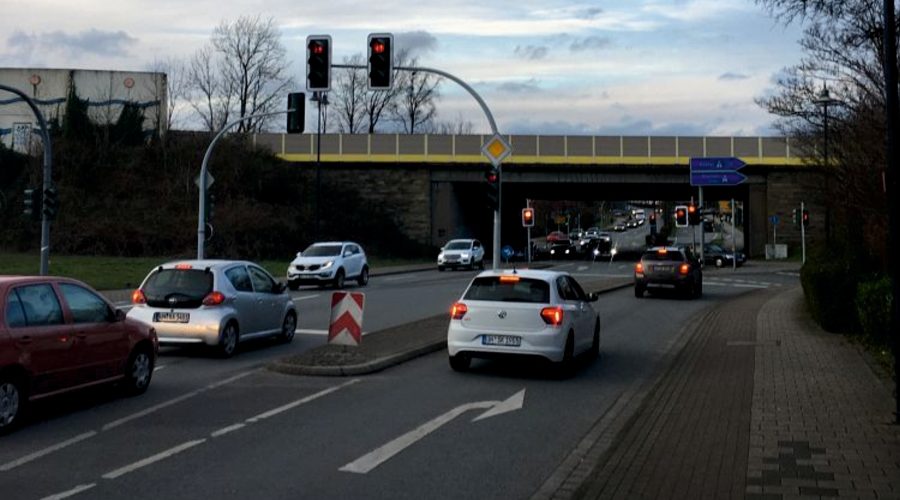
<point>299,254</point>
<point>593,297</point>
<point>119,315</point>
<point>280,287</point>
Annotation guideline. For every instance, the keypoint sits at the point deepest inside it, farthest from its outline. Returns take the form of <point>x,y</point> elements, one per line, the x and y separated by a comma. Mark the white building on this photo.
<point>105,92</point>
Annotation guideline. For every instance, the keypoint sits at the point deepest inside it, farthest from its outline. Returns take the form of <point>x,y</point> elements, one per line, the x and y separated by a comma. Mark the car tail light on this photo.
<point>552,315</point>
<point>138,297</point>
<point>509,279</point>
<point>183,266</point>
<point>639,268</point>
<point>458,311</point>
<point>684,269</point>
<point>214,299</point>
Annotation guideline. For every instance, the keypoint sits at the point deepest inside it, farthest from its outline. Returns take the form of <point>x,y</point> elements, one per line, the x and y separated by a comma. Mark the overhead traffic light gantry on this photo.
<point>381,61</point>
<point>318,63</point>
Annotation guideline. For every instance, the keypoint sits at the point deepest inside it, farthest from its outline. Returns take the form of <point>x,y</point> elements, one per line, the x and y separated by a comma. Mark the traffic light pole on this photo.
<point>803,231</point>
<point>48,175</point>
<point>490,118</point>
<point>204,172</point>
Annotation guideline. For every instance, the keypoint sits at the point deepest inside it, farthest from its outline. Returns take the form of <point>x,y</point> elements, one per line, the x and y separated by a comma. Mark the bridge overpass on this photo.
<point>432,184</point>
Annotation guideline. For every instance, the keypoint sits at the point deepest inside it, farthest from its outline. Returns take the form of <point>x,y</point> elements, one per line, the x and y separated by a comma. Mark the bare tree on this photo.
<point>348,96</point>
<point>176,90</point>
<point>209,93</point>
<point>414,108</point>
<point>457,126</point>
<point>253,67</point>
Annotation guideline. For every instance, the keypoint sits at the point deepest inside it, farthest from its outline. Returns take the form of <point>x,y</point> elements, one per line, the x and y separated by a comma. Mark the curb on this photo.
<point>383,362</point>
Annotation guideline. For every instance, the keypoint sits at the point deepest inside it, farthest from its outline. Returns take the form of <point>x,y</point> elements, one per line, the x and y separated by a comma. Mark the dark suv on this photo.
<point>669,267</point>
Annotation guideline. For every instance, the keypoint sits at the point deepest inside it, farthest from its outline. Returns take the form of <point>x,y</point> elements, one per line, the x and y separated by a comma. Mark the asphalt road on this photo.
<point>211,428</point>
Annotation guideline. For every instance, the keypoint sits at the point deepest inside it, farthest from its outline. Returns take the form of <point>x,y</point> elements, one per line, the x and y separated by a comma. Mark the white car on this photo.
<point>329,263</point>
<point>523,312</point>
<point>461,253</point>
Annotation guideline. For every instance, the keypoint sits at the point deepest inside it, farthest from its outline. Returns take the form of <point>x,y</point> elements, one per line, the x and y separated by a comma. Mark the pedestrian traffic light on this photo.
<point>527,217</point>
<point>492,184</point>
<point>50,203</point>
<point>381,63</point>
<point>805,218</point>
<point>318,63</point>
<point>681,217</point>
<point>296,116</point>
<point>693,215</point>
<point>31,203</point>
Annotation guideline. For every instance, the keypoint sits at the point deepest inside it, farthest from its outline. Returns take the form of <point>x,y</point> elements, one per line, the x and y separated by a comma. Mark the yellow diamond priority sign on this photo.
<point>496,149</point>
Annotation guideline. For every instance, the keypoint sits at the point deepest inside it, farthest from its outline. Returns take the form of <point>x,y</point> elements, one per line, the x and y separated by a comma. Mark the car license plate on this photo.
<point>663,269</point>
<point>171,317</point>
<point>504,340</point>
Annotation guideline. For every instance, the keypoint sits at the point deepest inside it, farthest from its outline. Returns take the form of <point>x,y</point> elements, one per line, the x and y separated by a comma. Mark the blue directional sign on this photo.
<point>717,171</point>
<point>507,252</point>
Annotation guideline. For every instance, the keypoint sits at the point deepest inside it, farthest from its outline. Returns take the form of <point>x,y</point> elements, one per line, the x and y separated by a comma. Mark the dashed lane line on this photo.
<point>155,458</point>
<point>74,491</point>
<point>46,451</point>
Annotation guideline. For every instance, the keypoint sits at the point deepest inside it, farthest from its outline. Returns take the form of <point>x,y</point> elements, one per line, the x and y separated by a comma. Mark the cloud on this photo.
<point>92,41</point>
<point>531,52</point>
<point>733,76</point>
<point>589,13</point>
<point>520,87</point>
<point>590,43</point>
<point>416,42</point>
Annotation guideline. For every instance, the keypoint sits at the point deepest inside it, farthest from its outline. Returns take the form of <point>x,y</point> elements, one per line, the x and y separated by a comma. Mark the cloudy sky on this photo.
<point>605,67</point>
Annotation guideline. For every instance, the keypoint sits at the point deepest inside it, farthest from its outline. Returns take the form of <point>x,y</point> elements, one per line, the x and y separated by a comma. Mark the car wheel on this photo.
<point>460,362</point>
<point>229,340</point>
<point>363,279</point>
<point>595,345</point>
<point>564,367</point>
<point>719,262</point>
<point>293,286</point>
<point>288,327</point>
<point>441,268</point>
<point>138,371</point>
<point>12,403</point>
<point>339,279</point>
<point>638,291</point>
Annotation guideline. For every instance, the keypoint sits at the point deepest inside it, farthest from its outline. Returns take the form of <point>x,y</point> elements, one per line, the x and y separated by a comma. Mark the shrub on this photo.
<point>829,286</point>
<point>873,308</point>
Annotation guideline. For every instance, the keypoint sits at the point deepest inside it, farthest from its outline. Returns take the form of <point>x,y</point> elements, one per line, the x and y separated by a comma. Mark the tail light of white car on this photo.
<point>553,316</point>
<point>214,299</point>
<point>138,297</point>
<point>458,310</point>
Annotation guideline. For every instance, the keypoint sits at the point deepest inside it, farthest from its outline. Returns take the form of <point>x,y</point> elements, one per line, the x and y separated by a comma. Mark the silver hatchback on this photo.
<point>219,303</point>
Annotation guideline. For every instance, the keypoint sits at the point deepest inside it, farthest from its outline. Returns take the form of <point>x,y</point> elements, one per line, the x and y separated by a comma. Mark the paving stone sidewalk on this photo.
<point>760,403</point>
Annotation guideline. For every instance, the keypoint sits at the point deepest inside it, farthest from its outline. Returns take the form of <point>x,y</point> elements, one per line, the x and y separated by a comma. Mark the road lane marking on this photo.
<point>374,458</point>
<point>158,367</point>
<point>395,278</point>
<point>311,331</point>
<point>226,430</point>
<point>307,399</point>
<point>171,402</point>
<point>74,491</point>
<point>46,451</point>
<point>153,459</point>
<point>305,297</point>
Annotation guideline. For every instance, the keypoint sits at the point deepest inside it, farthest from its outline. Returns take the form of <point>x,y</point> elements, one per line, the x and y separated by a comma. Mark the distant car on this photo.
<point>557,236</point>
<point>522,313</point>
<point>619,227</point>
<point>329,263</point>
<point>461,253</point>
<point>562,250</point>
<point>718,256</point>
<point>591,232</point>
<point>631,223</point>
<point>576,234</point>
<point>58,335</point>
<point>216,303</point>
<point>668,267</point>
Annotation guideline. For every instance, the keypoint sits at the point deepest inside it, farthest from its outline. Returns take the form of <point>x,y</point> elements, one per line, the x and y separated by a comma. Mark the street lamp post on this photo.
<point>824,99</point>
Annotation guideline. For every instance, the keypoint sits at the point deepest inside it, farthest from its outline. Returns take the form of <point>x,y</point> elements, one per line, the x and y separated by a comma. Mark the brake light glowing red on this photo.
<point>183,266</point>
<point>552,315</point>
<point>138,297</point>
<point>214,299</point>
<point>509,279</point>
<point>662,251</point>
<point>639,268</point>
<point>685,269</point>
<point>458,310</point>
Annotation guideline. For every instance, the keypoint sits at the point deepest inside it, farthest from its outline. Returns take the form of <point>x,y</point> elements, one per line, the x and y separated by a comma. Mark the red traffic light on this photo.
<point>679,213</point>
<point>692,209</point>
<point>492,177</point>
<point>317,48</point>
<point>377,47</point>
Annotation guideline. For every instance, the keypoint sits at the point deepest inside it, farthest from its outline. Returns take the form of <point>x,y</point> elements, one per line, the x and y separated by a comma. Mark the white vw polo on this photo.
<point>522,312</point>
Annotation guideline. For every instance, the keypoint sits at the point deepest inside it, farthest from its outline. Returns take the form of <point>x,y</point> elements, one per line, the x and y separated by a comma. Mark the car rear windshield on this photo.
<point>184,288</point>
<point>458,245</point>
<point>523,290</point>
<point>670,256</point>
<point>322,251</point>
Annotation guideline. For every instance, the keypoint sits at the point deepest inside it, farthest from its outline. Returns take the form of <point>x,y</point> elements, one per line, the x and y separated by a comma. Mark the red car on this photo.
<point>557,236</point>
<point>58,335</point>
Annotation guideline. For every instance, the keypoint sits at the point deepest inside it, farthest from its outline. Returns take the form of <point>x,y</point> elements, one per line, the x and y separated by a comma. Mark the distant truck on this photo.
<point>639,214</point>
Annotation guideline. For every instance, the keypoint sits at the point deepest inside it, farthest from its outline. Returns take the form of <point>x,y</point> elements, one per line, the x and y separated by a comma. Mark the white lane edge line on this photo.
<point>395,278</point>
<point>308,331</point>
<point>152,459</point>
<point>74,491</point>
<point>147,411</point>
<point>226,430</point>
<point>307,399</point>
<point>46,451</point>
<point>158,367</point>
<point>748,285</point>
<point>305,297</point>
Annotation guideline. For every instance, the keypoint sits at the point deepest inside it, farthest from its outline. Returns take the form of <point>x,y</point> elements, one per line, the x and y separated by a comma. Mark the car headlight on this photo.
<point>328,264</point>
<point>464,255</point>
<point>441,256</point>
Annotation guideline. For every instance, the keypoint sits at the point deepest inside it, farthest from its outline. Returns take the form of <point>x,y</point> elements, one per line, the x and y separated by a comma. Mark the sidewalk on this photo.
<point>759,403</point>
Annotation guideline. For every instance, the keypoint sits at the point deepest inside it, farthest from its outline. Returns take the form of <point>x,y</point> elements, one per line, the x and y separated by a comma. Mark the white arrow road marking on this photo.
<point>380,455</point>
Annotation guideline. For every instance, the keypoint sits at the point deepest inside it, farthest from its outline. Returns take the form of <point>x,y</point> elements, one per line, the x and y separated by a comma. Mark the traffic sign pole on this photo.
<point>802,232</point>
<point>702,229</point>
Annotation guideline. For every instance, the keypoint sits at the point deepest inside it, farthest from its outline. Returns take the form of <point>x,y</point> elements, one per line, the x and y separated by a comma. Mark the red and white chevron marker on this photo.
<point>346,318</point>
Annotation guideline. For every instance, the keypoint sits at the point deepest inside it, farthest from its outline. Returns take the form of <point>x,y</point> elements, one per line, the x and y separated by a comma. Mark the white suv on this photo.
<point>329,263</point>
<point>461,253</point>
